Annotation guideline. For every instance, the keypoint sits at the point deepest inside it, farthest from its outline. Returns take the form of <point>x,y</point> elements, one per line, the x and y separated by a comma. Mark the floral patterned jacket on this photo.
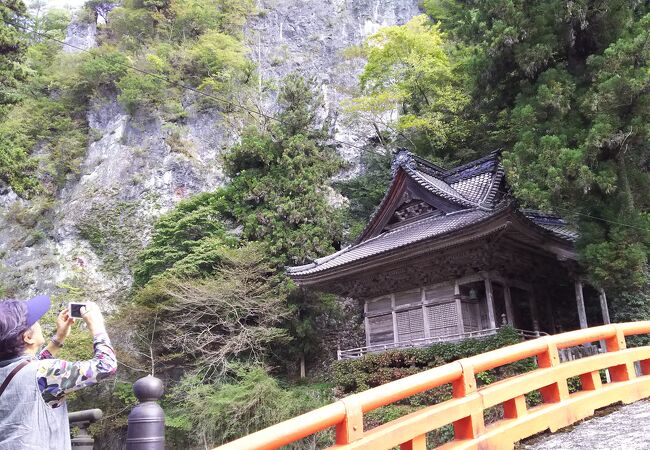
<point>57,377</point>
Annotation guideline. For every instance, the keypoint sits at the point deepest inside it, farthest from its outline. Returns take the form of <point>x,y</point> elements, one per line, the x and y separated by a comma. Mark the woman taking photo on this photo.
<point>33,383</point>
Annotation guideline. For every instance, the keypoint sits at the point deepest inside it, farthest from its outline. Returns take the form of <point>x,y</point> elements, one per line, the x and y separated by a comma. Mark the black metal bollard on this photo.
<point>147,420</point>
<point>82,420</point>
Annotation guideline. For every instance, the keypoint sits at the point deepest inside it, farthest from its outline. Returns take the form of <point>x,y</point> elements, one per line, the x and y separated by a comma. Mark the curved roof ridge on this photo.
<point>492,155</point>
<point>494,186</point>
<point>441,188</point>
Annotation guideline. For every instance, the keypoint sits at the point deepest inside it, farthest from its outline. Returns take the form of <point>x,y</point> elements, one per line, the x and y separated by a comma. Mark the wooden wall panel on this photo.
<point>381,304</point>
<point>439,293</point>
<point>471,316</point>
<point>381,329</point>
<point>408,297</point>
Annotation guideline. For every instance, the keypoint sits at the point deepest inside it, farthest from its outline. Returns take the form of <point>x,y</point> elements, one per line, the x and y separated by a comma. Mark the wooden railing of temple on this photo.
<point>465,410</point>
<point>358,352</point>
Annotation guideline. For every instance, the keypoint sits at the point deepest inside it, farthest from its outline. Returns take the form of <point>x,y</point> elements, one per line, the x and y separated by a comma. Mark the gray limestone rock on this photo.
<point>136,168</point>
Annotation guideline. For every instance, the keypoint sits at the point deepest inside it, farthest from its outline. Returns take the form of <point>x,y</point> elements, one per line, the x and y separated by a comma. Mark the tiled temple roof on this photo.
<point>399,237</point>
<point>472,189</point>
<point>552,223</point>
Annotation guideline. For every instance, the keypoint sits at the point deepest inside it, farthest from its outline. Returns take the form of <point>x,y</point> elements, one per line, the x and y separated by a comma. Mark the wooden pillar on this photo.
<point>425,316</point>
<point>392,307</point>
<point>489,298</point>
<point>603,305</point>
<point>580,301</point>
<point>532,304</point>
<point>510,312</point>
<point>459,308</point>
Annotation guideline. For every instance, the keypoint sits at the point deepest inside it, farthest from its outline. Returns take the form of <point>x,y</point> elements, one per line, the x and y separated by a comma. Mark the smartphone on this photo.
<point>74,310</point>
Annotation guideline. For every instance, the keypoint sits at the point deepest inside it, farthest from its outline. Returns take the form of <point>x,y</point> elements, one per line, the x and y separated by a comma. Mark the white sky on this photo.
<point>67,4</point>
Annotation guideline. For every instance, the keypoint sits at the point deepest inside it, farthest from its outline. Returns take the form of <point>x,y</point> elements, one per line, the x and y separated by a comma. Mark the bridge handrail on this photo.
<point>465,410</point>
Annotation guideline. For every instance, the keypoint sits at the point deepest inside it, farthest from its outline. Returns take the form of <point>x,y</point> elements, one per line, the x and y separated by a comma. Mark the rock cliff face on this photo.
<point>139,167</point>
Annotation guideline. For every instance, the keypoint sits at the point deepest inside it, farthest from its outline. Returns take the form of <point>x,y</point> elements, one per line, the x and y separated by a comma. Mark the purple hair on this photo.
<point>13,324</point>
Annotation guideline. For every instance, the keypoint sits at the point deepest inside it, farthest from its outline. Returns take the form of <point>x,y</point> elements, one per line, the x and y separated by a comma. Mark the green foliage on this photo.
<point>366,190</point>
<point>279,179</point>
<point>409,69</point>
<point>202,325</point>
<point>131,27</point>
<point>277,198</point>
<point>139,90</point>
<point>13,44</point>
<point>563,88</point>
<point>192,18</point>
<point>196,42</point>
<point>16,168</point>
<point>217,61</point>
<point>190,233</point>
<point>102,67</point>
<point>372,370</point>
<point>245,401</point>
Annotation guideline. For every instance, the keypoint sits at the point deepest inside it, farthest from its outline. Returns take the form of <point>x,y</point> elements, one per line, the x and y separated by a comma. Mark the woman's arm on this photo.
<point>57,377</point>
<point>63,328</point>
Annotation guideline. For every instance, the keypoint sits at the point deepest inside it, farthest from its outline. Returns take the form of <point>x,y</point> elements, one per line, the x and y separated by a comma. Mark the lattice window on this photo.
<point>410,325</point>
<point>380,329</point>
<point>443,319</point>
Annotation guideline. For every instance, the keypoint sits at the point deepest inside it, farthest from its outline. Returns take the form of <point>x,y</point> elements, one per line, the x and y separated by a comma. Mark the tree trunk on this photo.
<point>302,366</point>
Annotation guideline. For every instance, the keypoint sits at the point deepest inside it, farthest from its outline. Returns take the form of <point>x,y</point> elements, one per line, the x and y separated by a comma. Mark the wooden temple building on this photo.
<point>449,255</point>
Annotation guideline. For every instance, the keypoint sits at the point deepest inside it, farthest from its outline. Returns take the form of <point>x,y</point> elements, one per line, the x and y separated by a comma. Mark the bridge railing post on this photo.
<point>146,423</point>
<point>558,390</point>
<point>351,429</point>
<point>82,420</point>
<point>473,424</point>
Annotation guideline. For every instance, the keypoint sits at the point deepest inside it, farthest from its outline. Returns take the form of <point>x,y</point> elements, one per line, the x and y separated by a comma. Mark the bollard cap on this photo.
<point>86,416</point>
<point>148,389</point>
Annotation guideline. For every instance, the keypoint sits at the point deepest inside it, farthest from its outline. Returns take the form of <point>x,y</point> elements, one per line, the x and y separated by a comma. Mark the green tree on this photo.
<point>13,44</point>
<point>16,168</point>
<point>280,179</point>
<point>563,87</point>
<point>277,197</point>
<point>410,69</point>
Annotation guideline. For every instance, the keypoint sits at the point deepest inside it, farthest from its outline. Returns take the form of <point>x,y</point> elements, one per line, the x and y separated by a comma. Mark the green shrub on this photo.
<point>372,370</point>
<point>139,90</point>
<point>195,17</point>
<point>216,61</point>
<point>246,401</point>
<point>103,66</point>
<point>131,27</point>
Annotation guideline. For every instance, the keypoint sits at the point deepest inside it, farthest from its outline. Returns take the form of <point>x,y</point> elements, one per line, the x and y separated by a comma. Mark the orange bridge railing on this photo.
<point>465,410</point>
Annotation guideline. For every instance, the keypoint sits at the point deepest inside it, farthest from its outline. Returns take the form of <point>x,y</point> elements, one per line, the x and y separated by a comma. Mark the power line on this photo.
<point>176,83</point>
<point>614,222</point>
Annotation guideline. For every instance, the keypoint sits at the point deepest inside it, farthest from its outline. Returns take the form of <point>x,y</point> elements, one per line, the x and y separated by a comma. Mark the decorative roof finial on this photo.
<point>403,158</point>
